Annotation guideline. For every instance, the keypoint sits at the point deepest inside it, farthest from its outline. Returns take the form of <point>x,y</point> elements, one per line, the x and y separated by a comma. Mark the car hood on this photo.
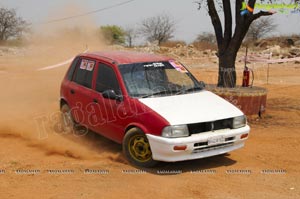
<point>191,108</point>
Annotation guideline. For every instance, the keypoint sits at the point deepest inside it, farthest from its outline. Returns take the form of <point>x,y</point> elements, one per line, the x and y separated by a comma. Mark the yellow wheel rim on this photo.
<point>139,148</point>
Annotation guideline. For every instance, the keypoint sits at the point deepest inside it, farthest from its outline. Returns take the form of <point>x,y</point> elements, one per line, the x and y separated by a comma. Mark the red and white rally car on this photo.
<point>150,104</point>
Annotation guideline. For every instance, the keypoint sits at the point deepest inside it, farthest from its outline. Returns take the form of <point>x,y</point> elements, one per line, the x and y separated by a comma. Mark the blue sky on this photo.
<point>190,21</point>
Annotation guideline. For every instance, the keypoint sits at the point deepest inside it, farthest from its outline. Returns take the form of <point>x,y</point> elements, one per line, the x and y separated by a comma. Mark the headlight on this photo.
<point>175,131</point>
<point>239,122</point>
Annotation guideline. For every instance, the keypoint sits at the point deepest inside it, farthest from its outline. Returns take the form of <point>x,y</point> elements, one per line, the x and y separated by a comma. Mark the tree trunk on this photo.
<point>130,41</point>
<point>2,35</point>
<point>227,73</point>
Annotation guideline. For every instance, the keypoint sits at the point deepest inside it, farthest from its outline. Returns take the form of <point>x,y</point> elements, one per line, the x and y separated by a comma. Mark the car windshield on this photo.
<point>152,79</point>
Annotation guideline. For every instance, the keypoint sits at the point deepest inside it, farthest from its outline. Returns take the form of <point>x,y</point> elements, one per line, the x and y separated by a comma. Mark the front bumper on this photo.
<point>197,145</point>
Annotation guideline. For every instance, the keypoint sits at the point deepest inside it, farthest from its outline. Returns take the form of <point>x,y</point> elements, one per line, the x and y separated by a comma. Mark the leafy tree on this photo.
<point>260,28</point>
<point>228,39</point>
<point>113,34</point>
<point>11,26</point>
<point>159,28</point>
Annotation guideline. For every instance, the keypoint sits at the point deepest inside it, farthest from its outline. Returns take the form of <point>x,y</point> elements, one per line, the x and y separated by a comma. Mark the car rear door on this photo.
<point>80,89</point>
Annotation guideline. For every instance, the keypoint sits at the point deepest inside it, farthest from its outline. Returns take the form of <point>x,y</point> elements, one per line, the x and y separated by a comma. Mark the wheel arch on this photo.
<point>62,102</point>
<point>135,125</point>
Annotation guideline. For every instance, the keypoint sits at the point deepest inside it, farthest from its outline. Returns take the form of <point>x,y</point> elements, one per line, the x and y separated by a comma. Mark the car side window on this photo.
<point>72,68</point>
<point>106,79</point>
<point>84,73</point>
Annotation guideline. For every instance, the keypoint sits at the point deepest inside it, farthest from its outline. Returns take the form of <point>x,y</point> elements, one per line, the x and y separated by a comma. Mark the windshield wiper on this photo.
<point>159,93</point>
<point>175,92</point>
<point>189,90</point>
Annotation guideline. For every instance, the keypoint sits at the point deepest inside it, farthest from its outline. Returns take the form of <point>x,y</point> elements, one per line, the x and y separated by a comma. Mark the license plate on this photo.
<point>216,140</point>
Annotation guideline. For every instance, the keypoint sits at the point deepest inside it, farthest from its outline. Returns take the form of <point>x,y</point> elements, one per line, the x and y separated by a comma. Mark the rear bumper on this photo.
<point>198,145</point>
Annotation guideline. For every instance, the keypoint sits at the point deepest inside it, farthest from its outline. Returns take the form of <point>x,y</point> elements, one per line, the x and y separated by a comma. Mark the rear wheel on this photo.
<point>67,121</point>
<point>69,125</point>
<point>137,149</point>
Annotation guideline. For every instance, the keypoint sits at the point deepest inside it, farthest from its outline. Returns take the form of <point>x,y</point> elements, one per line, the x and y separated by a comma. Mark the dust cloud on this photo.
<point>30,98</point>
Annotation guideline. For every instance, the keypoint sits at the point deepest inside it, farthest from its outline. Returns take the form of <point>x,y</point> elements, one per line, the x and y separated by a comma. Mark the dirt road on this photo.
<point>36,161</point>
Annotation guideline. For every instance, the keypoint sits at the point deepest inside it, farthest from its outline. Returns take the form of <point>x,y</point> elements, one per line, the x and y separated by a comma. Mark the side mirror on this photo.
<point>111,94</point>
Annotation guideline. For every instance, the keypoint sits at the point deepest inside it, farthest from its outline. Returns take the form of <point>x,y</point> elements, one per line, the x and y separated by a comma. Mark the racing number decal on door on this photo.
<point>90,66</point>
<point>83,64</point>
<point>87,65</point>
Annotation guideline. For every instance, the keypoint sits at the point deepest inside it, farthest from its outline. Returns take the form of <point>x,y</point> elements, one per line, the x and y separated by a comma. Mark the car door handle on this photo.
<point>95,101</point>
<point>72,91</point>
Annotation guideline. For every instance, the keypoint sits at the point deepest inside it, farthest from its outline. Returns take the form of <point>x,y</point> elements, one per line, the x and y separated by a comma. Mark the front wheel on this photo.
<point>137,149</point>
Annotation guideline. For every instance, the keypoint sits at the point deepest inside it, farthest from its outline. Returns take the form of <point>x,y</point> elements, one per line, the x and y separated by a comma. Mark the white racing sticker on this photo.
<point>178,66</point>
<point>87,65</point>
<point>90,66</point>
<point>84,64</point>
<point>155,65</point>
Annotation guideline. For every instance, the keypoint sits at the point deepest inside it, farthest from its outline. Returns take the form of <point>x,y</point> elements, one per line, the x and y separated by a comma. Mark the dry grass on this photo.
<point>204,45</point>
<point>173,43</point>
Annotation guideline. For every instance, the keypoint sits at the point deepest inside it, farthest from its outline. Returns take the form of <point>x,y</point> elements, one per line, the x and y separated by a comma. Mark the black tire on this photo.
<point>67,121</point>
<point>136,148</point>
<point>68,125</point>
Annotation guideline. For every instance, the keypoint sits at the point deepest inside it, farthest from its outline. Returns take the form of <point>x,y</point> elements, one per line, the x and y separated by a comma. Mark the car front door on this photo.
<point>104,114</point>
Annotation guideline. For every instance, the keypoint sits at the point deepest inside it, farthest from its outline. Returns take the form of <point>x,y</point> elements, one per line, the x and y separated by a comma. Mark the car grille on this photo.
<point>210,126</point>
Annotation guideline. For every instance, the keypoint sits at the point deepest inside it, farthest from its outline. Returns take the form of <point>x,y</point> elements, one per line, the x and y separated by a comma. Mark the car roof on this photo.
<point>126,57</point>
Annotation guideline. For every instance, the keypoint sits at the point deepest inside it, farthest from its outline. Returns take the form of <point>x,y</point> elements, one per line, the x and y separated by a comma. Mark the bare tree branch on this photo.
<point>11,26</point>
<point>130,35</point>
<point>215,19</point>
<point>206,37</point>
<point>251,3</point>
<point>159,28</point>
<point>260,14</point>
<point>238,6</point>
<point>228,24</point>
<point>260,28</point>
